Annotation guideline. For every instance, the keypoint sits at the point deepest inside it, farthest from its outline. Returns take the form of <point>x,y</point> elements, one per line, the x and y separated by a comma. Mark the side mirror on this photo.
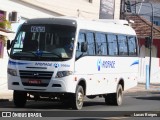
<point>8,44</point>
<point>84,47</point>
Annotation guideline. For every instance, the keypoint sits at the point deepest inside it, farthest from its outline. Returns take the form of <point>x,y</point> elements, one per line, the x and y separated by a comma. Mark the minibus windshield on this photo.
<point>44,42</point>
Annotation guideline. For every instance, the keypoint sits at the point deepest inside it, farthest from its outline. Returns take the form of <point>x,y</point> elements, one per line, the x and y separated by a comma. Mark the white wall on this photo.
<point>3,71</point>
<point>69,7</point>
<point>155,70</point>
<point>117,9</point>
<point>24,11</point>
<point>155,65</point>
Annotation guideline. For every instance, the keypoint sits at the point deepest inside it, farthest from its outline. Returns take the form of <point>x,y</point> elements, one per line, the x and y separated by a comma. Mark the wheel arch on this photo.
<point>121,82</point>
<point>82,82</point>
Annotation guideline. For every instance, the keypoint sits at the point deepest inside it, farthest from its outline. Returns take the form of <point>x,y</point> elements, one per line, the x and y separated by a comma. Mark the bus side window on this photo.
<point>91,44</point>
<point>101,46</point>
<point>81,38</point>
<point>123,45</point>
<point>132,45</point>
<point>19,42</point>
<point>112,44</point>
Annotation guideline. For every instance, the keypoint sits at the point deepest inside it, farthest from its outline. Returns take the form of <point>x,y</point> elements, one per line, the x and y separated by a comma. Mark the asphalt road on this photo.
<point>135,104</point>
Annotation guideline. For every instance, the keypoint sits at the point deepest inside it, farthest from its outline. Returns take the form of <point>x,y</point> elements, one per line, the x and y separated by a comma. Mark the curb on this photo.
<point>6,96</point>
<point>141,87</point>
<point>4,100</point>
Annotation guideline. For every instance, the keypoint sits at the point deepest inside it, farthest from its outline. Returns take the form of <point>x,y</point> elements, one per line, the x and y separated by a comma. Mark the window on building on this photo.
<point>156,23</point>
<point>156,20</point>
<point>90,1</point>
<point>2,15</point>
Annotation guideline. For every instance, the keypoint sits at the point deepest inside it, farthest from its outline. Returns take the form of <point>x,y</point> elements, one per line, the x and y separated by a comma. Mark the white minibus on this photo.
<point>68,59</point>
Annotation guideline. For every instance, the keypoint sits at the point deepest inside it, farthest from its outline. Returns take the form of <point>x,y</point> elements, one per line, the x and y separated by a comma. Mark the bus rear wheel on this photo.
<point>77,98</point>
<point>115,98</point>
<point>19,98</point>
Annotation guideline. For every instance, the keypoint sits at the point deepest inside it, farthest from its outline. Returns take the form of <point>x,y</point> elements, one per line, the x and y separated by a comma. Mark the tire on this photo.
<point>19,98</point>
<point>78,98</point>
<point>115,98</point>
<point>66,100</point>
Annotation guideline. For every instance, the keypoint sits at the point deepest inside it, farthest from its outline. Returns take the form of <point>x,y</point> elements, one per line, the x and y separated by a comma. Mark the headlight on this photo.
<point>63,74</point>
<point>12,72</point>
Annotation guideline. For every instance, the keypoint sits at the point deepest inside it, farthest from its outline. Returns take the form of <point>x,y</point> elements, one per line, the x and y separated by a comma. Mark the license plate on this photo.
<point>34,81</point>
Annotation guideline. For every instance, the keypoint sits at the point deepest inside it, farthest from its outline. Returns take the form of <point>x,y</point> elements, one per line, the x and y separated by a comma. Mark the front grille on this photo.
<point>36,74</point>
<point>43,76</point>
<point>38,85</point>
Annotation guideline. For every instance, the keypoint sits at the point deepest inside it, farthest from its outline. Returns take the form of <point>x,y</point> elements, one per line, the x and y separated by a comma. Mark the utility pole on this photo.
<point>150,55</point>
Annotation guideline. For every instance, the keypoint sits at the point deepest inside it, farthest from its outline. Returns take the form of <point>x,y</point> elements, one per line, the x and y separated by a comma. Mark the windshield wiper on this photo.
<point>33,53</point>
<point>26,53</point>
<point>40,54</point>
<point>53,53</point>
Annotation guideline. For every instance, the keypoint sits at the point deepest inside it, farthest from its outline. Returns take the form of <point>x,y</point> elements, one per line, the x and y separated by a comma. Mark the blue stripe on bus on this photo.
<point>16,63</point>
<point>135,63</point>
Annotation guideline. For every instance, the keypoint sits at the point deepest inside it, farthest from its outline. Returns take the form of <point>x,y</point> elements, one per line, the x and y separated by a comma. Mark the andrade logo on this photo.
<point>105,64</point>
<point>99,64</point>
<point>56,65</point>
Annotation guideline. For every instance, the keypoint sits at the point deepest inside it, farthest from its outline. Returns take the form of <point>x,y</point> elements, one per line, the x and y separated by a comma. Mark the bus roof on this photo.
<point>109,26</point>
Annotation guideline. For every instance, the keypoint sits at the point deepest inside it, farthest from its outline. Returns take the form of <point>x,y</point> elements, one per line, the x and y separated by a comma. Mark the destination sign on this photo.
<point>37,29</point>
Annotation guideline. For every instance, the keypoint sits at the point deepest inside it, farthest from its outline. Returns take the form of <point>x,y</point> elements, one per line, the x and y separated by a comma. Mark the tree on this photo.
<point>5,24</point>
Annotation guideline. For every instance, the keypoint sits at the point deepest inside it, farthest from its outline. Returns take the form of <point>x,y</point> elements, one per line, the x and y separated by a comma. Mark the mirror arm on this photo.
<point>8,53</point>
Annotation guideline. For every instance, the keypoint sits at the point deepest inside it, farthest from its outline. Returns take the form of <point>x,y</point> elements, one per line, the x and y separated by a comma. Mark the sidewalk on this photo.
<point>7,95</point>
<point>142,87</point>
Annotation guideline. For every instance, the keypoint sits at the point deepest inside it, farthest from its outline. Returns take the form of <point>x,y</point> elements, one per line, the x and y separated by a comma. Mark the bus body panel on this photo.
<point>103,73</point>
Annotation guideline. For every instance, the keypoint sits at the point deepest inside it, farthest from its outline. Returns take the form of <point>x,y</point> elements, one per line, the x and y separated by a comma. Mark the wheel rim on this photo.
<point>119,97</point>
<point>80,98</point>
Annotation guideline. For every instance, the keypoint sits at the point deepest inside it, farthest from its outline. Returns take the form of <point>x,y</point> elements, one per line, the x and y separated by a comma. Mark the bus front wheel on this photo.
<point>115,98</point>
<point>77,98</point>
<point>19,98</point>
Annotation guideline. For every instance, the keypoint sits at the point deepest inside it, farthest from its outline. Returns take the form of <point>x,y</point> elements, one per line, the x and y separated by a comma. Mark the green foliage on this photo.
<point>5,24</point>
